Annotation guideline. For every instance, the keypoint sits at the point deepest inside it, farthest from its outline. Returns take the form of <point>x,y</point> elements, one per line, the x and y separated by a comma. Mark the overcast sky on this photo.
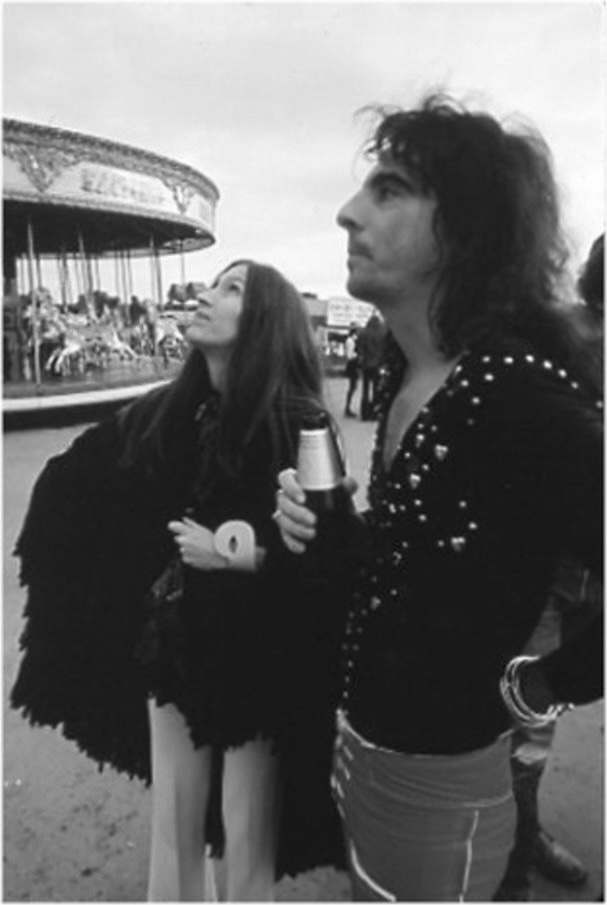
<point>261,98</point>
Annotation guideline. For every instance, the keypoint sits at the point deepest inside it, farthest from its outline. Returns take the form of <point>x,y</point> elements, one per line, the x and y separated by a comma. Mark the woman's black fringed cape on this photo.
<point>90,546</point>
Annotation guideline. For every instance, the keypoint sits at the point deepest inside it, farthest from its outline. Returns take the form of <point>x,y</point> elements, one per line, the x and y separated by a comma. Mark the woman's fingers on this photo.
<point>190,528</point>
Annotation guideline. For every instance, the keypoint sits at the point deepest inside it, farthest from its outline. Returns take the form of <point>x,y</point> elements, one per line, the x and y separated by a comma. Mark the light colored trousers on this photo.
<point>423,828</point>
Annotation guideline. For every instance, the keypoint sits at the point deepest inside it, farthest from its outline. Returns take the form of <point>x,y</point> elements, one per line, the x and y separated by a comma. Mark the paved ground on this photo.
<point>73,834</point>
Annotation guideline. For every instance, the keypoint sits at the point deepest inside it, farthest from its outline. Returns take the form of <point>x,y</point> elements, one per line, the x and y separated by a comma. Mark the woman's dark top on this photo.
<point>500,474</point>
<point>218,650</point>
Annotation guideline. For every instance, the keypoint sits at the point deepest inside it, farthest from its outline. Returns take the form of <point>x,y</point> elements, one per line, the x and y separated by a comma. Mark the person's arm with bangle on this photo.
<point>571,675</point>
<point>538,689</point>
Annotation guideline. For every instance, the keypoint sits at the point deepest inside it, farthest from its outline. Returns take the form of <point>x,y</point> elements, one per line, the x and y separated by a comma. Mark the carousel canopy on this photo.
<point>82,193</point>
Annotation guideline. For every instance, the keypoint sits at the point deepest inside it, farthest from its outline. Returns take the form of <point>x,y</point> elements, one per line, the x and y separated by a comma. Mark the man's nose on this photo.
<point>346,216</point>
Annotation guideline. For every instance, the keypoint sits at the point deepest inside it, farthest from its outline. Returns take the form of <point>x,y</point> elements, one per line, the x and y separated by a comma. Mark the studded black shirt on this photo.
<point>498,475</point>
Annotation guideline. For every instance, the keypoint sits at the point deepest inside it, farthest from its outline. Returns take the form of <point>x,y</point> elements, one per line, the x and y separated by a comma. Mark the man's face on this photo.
<point>392,249</point>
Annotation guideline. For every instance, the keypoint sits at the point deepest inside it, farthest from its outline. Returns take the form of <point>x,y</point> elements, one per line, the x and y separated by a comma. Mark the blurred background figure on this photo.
<point>352,368</point>
<point>575,596</point>
<point>370,352</point>
<point>591,284</point>
<point>591,288</point>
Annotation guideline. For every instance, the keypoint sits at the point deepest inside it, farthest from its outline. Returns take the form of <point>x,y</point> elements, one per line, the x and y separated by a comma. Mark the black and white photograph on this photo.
<point>303,491</point>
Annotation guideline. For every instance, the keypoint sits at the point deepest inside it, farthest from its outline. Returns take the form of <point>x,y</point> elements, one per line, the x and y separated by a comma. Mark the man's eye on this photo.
<point>389,190</point>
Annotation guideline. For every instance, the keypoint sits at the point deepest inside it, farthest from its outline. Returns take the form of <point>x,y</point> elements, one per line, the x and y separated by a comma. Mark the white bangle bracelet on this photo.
<point>235,540</point>
<point>511,693</point>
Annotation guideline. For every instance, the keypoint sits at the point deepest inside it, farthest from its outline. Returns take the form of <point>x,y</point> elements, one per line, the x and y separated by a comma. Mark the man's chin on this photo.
<point>359,289</point>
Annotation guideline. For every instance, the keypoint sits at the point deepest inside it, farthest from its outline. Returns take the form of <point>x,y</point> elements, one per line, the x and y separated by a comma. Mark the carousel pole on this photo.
<point>116,277</point>
<point>78,276</point>
<point>129,274</point>
<point>121,277</point>
<point>22,275</point>
<point>86,277</point>
<point>35,324</point>
<point>97,273</point>
<point>182,263</point>
<point>153,286</point>
<point>121,303</point>
<point>158,269</point>
<point>154,293</point>
<point>69,292</point>
<point>88,267</point>
<point>62,268</point>
<point>39,272</point>
<point>124,281</point>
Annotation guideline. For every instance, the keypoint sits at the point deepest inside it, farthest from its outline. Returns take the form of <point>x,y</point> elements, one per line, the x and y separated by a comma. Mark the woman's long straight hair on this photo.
<point>274,374</point>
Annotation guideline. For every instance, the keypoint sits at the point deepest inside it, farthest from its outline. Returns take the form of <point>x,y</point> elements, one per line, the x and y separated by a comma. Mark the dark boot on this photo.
<point>533,846</point>
<point>555,862</point>
<point>516,883</point>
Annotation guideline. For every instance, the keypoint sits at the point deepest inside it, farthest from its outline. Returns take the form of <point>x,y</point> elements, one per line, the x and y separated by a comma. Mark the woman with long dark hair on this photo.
<point>156,574</point>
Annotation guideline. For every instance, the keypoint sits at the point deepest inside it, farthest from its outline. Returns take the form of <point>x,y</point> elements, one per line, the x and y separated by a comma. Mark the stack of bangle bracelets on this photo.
<point>511,693</point>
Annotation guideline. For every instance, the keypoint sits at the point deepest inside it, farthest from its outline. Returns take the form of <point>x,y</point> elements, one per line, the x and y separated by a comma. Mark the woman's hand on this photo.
<point>197,545</point>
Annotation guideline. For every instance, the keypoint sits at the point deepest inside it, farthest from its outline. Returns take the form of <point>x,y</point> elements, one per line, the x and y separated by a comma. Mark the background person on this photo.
<point>576,596</point>
<point>370,348</point>
<point>488,463</point>
<point>591,282</point>
<point>591,288</point>
<point>352,368</point>
<point>148,644</point>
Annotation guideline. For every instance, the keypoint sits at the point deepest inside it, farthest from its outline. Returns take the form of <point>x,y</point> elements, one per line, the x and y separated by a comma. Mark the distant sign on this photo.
<point>343,312</point>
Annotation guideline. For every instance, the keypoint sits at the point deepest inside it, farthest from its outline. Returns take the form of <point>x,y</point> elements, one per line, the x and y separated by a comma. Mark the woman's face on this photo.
<point>214,327</point>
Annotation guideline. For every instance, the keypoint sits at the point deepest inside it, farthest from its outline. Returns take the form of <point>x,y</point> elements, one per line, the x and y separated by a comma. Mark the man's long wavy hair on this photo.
<point>503,254</point>
<point>274,375</point>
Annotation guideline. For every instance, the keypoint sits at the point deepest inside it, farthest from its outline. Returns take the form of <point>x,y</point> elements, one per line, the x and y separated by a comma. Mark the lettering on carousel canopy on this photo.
<point>98,181</point>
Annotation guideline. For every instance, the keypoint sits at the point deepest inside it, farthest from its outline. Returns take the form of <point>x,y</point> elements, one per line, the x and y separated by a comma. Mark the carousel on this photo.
<point>87,222</point>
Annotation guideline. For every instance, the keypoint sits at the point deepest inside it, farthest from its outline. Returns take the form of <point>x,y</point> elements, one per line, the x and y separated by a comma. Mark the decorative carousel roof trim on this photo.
<point>72,147</point>
<point>58,172</point>
<point>102,207</point>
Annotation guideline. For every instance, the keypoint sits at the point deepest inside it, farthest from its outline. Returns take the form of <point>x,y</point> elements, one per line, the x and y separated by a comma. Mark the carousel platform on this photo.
<point>60,401</point>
